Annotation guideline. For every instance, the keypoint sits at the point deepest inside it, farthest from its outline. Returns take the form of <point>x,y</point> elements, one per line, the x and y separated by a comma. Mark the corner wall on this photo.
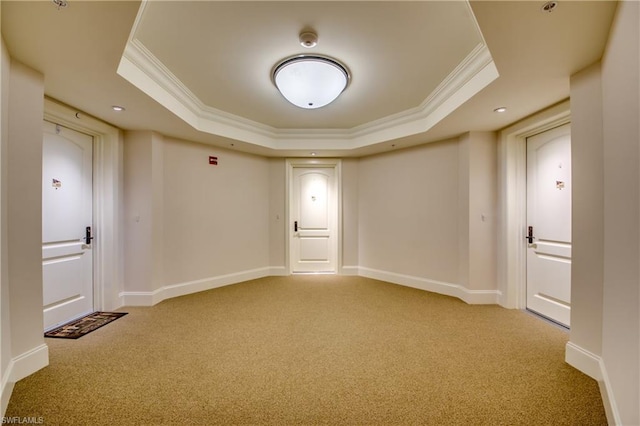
<point>587,263</point>
<point>5,318</point>
<point>605,335</point>
<point>190,225</point>
<point>621,129</point>
<point>21,199</point>
<point>420,217</point>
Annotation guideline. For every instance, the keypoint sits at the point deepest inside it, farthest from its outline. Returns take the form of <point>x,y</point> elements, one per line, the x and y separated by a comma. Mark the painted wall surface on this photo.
<point>138,211</point>
<point>350,216</point>
<point>621,129</point>
<point>216,217</point>
<point>477,210</point>
<point>408,212</point>
<point>587,267</point>
<point>24,204</point>
<point>277,215</point>
<point>5,318</point>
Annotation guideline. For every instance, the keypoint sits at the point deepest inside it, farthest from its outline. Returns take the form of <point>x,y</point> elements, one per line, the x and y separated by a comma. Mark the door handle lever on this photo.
<point>530,236</point>
<point>87,235</point>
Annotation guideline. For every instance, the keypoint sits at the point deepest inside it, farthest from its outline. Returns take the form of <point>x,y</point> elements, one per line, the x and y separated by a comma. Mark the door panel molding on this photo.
<point>335,165</point>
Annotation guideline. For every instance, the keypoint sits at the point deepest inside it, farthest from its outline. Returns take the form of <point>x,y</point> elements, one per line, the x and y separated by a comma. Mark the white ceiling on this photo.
<point>422,70</point>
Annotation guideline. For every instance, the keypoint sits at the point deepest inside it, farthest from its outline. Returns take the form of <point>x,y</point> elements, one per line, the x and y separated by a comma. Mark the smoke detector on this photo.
<point>308,39</point>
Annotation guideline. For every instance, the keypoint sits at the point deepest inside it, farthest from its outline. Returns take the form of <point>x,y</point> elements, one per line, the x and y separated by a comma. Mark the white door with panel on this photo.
<point>549,224</point>
<point>67,200</point>
<point>313,218</point>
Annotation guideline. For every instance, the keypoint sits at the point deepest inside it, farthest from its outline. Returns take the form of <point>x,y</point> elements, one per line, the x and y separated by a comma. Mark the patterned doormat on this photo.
<point>85,325</point>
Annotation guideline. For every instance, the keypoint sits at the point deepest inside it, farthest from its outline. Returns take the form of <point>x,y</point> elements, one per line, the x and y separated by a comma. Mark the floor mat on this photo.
<point>85,325</point>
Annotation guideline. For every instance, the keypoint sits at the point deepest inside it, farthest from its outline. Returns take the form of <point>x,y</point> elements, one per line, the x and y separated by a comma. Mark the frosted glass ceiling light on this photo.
<point>310,81</point>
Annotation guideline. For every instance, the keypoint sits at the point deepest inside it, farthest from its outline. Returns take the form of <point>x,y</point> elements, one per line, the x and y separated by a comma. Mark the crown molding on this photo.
<point>141,68</point>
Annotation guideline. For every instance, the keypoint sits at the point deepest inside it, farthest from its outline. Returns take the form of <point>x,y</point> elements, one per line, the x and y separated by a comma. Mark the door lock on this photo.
<point>530,236</point>
<point>87,235</point>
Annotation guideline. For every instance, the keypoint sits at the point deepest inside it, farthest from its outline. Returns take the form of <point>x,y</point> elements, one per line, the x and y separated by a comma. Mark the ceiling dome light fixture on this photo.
<point>310,81</point>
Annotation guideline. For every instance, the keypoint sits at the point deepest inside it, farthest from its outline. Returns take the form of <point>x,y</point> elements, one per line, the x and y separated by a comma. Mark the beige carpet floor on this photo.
<point>306,350</point>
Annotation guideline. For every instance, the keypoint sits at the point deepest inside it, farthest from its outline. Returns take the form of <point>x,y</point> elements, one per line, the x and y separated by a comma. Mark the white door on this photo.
<point>313,218</point>
<point>67,271</point>
<point>549,223</point>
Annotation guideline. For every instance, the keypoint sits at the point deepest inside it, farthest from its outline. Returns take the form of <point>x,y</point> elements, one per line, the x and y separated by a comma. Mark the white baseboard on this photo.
<point>277,271</point>
<point>350,270</point>
<point>472,297</point>
<point>140,298</point>
<point>19,368</point>
<point>7,389</point>
<point>593,366</point>
<point>150,298</point>
<point>583,360</point>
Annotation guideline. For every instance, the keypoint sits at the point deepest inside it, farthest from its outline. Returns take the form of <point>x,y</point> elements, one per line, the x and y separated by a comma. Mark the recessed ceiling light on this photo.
<point>313,154</point>
<point>117,108</point>
<point>549,6</point>
<point>500,109</point>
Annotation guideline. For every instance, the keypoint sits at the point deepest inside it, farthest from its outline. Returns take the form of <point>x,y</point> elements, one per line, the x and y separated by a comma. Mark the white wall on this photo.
<point>477,210</point>
<point>277,216</point>
<point>420,217</point>
<point>621,129</point>
<point>5,318</point>
<point>408,212</point>
<point>191,226</point>
<point>23,349</point>
<point>350,218</point>
<point>141,244</point>
<point>605,335</point>
<point>587,265</point>
<point>216,217</point>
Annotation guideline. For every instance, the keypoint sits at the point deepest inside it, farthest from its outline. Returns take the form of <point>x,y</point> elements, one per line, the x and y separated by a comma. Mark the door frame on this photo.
<point>512,193</point>
<point>107,194</point>
<point>336,164</point>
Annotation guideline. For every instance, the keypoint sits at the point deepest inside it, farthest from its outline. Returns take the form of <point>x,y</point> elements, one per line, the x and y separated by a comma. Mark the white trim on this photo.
<point>143,69</point>
<point>336,164</point>
<point>150,298</point>
<point>473,297</point>
<point>350,270</point>
<point>28,363</point>
<point>593,366</point>
<point>107,199</point>
<point>20,367</point>
<point>278,271</point>
<point>7,390</point>
<point>512,191</point>
<point>583,360</point>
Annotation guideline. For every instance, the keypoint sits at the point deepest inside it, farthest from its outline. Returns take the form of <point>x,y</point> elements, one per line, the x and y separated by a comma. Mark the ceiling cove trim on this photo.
<point>142,69</point>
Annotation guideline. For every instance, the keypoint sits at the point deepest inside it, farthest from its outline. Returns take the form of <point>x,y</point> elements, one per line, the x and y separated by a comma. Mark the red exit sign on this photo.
<point>213,160</point>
